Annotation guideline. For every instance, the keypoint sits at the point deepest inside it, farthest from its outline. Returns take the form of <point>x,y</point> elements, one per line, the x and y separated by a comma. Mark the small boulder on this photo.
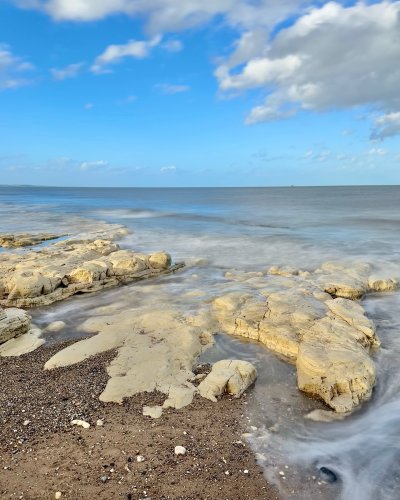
<point>231,376</point>
<point>13,323</point>
<point>160,260</point>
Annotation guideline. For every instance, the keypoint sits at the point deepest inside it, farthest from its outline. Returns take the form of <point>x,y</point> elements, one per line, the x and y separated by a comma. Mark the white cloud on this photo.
<point>331,57</point>
<point>138,49</point>
<point>13,69</point>
<point>386,125</point>
<point>93,165</point>
<point>171,169</point>
<point>166,88</point>
<point>335,55</point>
<point>377,152</point>
<point>68,72</point>
<point>173,45</point>
<point>171,15</point>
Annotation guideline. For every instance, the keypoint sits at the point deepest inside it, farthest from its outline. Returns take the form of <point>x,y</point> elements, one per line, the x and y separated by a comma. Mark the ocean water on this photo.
<point>215,230</point>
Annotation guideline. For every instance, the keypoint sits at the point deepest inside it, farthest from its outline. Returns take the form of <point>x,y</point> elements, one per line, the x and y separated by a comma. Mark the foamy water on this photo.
<point>214,230</point>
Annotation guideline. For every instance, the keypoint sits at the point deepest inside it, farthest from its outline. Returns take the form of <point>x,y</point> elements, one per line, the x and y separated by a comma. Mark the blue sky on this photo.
<point>175,93</point>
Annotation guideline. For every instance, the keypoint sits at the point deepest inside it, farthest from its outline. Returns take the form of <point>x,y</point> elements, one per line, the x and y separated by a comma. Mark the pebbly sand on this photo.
<point>41,453</point>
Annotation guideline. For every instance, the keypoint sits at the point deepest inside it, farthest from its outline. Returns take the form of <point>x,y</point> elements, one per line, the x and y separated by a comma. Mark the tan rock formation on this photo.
<point>155,351</point>
<point>25,239</point>
<point>328,340</point>
<point>13,323</point>
<point>352,281</point>
<point>228,375</point>
<point>75,265</point>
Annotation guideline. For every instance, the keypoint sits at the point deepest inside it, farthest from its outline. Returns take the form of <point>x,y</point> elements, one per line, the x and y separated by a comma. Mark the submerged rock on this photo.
<point>231,376</point>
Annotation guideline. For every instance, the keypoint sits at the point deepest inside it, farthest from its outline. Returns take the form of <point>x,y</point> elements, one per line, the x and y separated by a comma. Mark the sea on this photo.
<point>215,230</point>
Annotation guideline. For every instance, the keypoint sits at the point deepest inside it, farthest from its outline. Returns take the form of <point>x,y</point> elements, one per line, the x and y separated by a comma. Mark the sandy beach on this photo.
<point>41,453</point>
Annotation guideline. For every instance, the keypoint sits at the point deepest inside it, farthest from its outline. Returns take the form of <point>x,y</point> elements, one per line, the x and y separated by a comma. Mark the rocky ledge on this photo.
<point>75,265</point>
<point>310,320</point>
<point>26,239</point>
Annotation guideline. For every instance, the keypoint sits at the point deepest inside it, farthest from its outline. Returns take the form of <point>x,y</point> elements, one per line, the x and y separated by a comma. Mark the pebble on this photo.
<point>99,423</point>
<point>104,479</point>
<point>26,422</point>
<point>58,495</point>
<point>246,471</point>
<point>226,473</point>
<point>281,473</point>
<point>328,475</point>
<point>180,450</point>
<point>81,423</point>
<point>140,458</point>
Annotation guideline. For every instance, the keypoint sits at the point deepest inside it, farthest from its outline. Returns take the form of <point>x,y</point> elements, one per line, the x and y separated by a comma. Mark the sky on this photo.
<point>199,92</point>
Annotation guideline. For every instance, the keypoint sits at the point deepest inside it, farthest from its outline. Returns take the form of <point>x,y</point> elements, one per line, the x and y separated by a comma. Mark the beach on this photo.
<point>122,305</point>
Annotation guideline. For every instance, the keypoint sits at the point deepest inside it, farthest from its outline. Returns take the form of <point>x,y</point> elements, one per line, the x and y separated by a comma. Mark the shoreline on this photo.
<point>49,455</point>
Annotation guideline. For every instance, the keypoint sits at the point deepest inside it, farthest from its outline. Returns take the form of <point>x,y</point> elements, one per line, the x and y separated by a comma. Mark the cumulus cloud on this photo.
<point>13,69</point>
<point>386,125</point>
<point>167,88</point>
<point>332,57</point>
<point>171,15</point>
<point>313,55</point>
<point>138,49</point>
<point>70,71</point>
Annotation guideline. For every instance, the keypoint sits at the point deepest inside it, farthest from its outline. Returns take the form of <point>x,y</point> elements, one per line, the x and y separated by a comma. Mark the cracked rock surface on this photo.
<point>326,335</point>
<point>82,264</point>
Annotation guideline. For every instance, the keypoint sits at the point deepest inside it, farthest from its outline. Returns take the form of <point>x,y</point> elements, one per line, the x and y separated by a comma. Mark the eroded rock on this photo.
<point>25,239</point>
<point>13,323</point>
<point>328,339</point>
<point>155,351</point>
<point>228,375</point>
<point>73,266</point>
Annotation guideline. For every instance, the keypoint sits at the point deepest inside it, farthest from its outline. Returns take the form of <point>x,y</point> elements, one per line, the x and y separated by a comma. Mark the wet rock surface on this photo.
<point>26,239</point>
<point>327,336</point>
<point>81,264</point>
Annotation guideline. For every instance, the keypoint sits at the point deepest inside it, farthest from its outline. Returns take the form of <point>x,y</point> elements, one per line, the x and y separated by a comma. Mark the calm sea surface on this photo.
<point>214,230</point>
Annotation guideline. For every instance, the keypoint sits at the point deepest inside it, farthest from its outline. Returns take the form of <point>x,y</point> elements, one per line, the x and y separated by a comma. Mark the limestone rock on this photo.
<point>28,284</point>
<point>180,396</point>
<point>329,340</point>
<point>81,423</point>
<point>160,260</point>
<point>26,239</point>
<point>75,266</point>
<point>231,376</point>
<point>180,450</point>
<point>22,344</point>
<point>156,351</point>
<point>13,323</point>
<point>152,411</point>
